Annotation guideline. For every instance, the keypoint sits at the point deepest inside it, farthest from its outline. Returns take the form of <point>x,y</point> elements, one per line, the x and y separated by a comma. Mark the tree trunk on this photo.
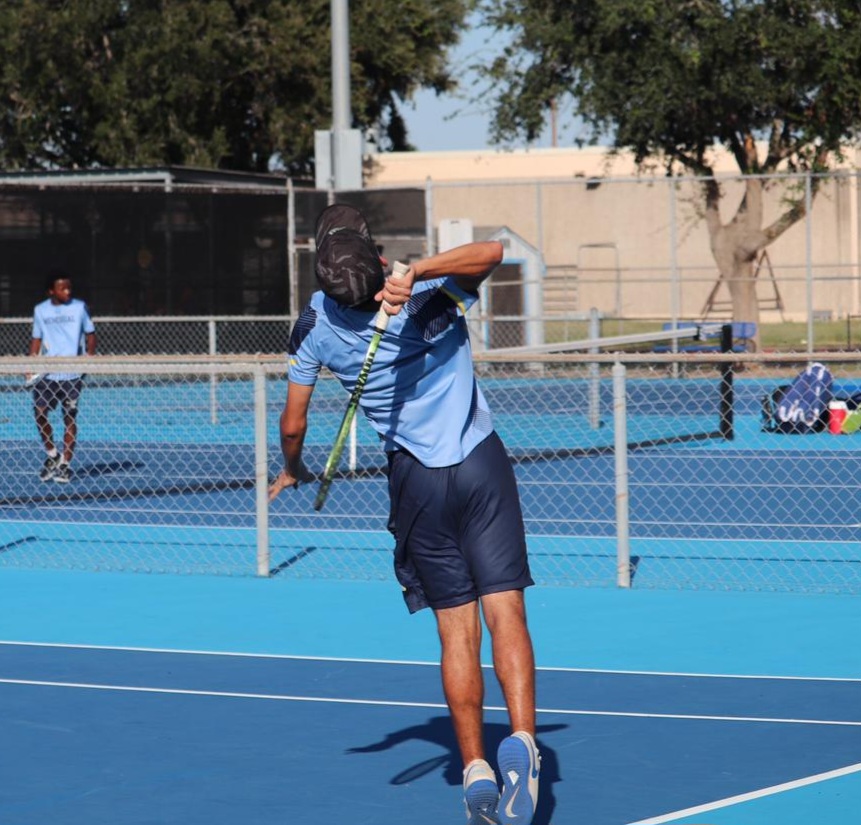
<point>735,246</point>
<point>735,266</point>
<point>738,276</point>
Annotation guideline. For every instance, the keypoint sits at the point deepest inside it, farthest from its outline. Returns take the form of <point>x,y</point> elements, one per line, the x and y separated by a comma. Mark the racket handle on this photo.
<point>323,492</point>
<point>398,271</point>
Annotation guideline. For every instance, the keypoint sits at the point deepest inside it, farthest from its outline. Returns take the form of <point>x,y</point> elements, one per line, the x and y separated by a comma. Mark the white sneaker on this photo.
<point>480,793</point>
<point>519,764</point>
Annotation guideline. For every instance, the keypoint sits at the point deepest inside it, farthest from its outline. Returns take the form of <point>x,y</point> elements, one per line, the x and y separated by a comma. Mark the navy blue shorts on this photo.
<point>47,394</point>
<point>458,530</point>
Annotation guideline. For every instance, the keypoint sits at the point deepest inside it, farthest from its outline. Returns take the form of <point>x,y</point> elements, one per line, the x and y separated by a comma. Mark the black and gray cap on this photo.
<point>347,265</point>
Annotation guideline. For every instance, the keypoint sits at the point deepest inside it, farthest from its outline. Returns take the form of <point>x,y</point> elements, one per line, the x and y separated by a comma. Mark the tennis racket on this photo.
<point>31,380</point>
<point>380,324</point>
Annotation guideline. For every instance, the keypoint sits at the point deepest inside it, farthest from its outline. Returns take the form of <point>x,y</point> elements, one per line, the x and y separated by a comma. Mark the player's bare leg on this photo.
<point>462,680</point>
<point>463,684</point>
<point>70,436</point>
<point>513,658</point>
<point>514,663</point>
<point>63,472</point>
<point>46,433</point>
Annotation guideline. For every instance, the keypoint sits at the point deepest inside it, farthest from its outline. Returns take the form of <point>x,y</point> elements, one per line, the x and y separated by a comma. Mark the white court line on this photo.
<point>183,652</point>
<point>747,797</point>
<point>195,528</point>
<point>313,530</point>
<point>226,694</point>
<point>802,525</point>
<point>295,657</point>
<point>393,703</point>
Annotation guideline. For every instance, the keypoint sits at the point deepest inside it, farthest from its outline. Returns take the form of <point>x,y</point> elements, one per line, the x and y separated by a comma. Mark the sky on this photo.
<point>451,122</point>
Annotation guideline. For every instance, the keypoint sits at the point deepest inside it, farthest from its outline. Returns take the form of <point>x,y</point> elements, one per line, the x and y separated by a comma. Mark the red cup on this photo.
<point>837,413</point>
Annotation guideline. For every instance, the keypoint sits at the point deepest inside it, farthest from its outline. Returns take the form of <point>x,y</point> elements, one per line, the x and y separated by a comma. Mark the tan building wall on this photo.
<point>630,244</point>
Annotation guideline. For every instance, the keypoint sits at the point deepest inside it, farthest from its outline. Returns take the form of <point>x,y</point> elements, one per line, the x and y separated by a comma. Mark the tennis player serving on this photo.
<point>460,545</point>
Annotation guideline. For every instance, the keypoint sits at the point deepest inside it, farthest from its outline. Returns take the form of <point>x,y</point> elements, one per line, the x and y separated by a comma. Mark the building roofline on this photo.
<point>166,176</point>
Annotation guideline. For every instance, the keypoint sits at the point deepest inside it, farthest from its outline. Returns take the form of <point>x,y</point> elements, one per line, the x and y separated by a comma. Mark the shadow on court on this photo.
<point>439,731</point>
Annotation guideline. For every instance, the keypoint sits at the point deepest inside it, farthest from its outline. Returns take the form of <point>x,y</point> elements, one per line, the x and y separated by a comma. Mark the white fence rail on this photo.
<point>170,335</point>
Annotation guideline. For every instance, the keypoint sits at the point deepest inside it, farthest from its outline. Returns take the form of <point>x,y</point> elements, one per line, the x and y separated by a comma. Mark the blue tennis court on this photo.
<point>204,699</point>
<point>310,694</point>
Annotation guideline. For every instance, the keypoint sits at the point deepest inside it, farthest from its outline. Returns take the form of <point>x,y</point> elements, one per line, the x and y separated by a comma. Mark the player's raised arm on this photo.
<point>470,263</point>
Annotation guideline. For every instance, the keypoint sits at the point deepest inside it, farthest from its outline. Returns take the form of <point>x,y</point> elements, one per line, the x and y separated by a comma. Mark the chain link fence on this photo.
<point>153,258</point>
<point>636,469</point>
<point>180,335</point>
<point>639,249</point>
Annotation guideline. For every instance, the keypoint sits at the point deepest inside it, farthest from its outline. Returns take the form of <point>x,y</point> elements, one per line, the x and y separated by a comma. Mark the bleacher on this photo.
<point>709,337</point>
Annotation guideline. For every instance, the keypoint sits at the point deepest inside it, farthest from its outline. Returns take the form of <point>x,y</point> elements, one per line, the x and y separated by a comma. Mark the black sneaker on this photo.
<point>63,473</point>
<point>49,468</point>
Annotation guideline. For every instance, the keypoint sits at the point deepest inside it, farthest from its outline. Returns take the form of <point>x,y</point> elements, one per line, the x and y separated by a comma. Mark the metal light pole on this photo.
<point>338,153</point>
<point>340,10</point>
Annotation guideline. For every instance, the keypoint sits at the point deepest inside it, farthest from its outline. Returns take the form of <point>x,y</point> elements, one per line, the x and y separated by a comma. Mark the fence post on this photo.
<point>429,226</point>
<point>261,471</point>
<point>623,538</point>
<point>808,257</point>
<point>292,263</point>
<point>213,378</point>
<point>594,372</point>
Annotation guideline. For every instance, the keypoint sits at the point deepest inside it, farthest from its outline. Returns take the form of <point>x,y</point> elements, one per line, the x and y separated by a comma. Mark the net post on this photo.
<point>620,452</point>
<point>261,471</point>
<point>726,424</point>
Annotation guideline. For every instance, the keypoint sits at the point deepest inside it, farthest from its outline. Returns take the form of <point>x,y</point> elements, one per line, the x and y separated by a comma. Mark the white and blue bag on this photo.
<point>802,406</point>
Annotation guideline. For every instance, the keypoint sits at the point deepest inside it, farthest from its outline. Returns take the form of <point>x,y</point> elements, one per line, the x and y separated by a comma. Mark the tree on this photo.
<point>213,83</point>
<point>670,80</point>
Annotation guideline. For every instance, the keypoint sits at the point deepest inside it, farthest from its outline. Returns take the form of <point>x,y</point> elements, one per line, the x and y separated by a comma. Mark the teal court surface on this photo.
<point>167,699</point>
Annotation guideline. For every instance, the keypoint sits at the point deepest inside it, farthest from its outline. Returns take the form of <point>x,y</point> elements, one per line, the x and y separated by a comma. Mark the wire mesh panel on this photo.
<point>764,510</point>
<point>180,335</point>
<point>155,483</point>
<point>557,420</point>
<point>671,465</point>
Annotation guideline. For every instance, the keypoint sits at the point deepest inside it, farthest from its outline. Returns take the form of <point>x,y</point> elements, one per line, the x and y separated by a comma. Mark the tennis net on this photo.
<point>557,400</point>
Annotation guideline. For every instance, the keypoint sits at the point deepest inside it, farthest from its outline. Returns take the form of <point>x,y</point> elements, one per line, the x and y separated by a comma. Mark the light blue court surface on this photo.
<point>294,701</point>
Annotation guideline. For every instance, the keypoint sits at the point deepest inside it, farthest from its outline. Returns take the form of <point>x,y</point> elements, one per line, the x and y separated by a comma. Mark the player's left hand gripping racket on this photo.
<point>380,324</point>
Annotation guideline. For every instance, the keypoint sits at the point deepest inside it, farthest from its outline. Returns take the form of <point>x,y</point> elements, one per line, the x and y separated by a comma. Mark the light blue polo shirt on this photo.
<point>61,328</point>
<point>421,394</point>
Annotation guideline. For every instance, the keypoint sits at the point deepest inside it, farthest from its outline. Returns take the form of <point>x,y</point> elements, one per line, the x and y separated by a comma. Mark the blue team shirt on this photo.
<point>421,394</point>
<point>61,328</point>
